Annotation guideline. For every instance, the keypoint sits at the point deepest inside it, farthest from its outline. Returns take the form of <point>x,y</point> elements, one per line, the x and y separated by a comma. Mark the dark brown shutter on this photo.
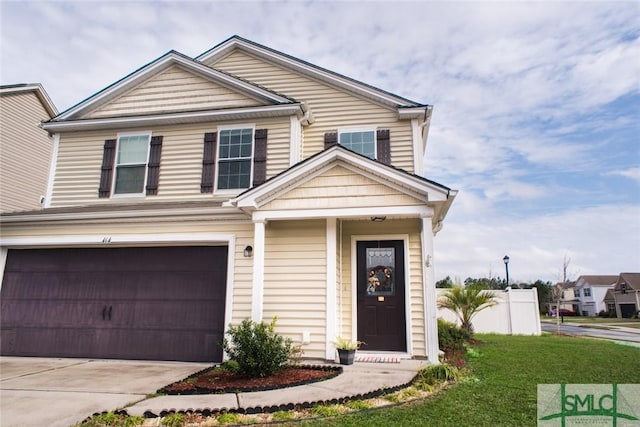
<point>330,139</point>
<point>209,162</point>
<point>106,174</point>
<point>260,157</point>
<point>384,146</point>
<point>153,171</point>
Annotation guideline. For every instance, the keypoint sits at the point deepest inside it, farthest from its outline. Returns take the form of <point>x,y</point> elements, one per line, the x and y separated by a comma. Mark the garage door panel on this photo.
<point>162,303</point>
<point>51,314</point>
<point>206,315</point>
<point>67,285</point>
<point>177,284</point>
<point>60,342</point>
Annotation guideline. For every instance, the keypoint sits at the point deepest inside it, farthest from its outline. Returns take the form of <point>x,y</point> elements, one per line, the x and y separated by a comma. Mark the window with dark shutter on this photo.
<point>106,174</point>
<point>383,146</point>
<point>260,157</point>
<point>153,170</point>
<point>330,139</point>
<point>209,162</point>
<point>235,158</point>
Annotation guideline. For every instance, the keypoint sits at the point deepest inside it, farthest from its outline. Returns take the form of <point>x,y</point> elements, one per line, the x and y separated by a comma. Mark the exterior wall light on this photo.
<point>248,251</point>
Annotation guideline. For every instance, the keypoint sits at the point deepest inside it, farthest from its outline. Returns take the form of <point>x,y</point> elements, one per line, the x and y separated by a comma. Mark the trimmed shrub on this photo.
<point>257,349</point>
<point>451,337</point>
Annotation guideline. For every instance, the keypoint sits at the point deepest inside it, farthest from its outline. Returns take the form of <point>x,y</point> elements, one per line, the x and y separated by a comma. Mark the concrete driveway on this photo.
<point>62,392</point>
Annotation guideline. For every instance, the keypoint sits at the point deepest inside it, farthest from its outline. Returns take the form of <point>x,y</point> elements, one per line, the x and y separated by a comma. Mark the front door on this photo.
<point>381,293</point>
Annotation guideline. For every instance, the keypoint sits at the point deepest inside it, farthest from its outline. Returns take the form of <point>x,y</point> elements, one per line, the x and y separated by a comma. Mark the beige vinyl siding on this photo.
<point>175,89</point>
<point>25,152</point>
<point>410,227</point>
<point>332,108</point>
<point>79,162</point>
<point>340,188</point>
<point>294,281</point>
<point>242,230</point>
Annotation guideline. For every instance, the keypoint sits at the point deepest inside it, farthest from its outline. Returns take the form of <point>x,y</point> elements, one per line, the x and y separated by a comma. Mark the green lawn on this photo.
<point>506,375</point>
<point>589,320</point>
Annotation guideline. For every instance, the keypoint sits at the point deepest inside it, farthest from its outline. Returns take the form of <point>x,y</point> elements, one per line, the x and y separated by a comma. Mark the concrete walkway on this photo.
<point>357,380</point>
<point>56,392</point>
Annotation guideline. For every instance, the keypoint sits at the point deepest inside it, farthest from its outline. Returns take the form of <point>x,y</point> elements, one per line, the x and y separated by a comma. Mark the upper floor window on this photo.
<point>235,158</point>
<point>360,141</point>
<point>131,164</point>
<point>576,292</point>
<point>587,292</point>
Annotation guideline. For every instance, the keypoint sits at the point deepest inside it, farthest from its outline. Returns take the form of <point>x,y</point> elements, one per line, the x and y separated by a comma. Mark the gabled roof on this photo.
<point>595,280</point>
<point>431,193</point>
<point>632,280</point>
<point>32,87</point>
<point>160,64</point>
<point>608,296</point>
<point>406,106</point>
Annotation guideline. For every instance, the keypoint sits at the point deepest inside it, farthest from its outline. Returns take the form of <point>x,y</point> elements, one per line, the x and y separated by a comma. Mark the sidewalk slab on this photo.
<point>356,380</point>
<point>22,408</point>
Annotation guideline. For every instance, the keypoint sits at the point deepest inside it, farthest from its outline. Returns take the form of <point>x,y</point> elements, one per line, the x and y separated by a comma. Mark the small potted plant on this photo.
<point>346,350</point>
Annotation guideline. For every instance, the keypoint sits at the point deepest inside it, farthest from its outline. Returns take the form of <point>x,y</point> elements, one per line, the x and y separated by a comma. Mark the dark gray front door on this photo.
<point>128,303</point>
<point>381,295</point>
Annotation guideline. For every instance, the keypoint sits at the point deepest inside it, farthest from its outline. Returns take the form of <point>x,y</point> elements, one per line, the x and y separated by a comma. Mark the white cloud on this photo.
<point>631,173</point>
<point>522,92</point>
<point>599,240</point>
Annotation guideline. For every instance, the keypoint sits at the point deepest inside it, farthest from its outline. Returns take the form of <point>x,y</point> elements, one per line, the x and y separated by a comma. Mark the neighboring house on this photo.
<point>245,183</point>
<point>610,302</point>
<point>568,301</point>
<point>626,294</point>
<point>590,291</point>
<point>25,148</point>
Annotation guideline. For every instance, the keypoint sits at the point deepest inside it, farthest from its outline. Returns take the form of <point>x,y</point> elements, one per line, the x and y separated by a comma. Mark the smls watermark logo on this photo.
<point>566,405</point>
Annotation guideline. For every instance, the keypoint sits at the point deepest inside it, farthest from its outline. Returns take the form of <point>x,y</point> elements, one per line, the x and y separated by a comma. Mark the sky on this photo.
<point>536,116</point>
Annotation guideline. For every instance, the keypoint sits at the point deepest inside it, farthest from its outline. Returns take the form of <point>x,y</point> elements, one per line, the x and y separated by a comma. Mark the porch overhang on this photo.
<point>414,196</point>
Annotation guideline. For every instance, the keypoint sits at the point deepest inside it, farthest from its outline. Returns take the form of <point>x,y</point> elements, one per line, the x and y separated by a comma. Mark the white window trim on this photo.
<point>353,129</point>
<point>233,191</point>
<point>114,195</point>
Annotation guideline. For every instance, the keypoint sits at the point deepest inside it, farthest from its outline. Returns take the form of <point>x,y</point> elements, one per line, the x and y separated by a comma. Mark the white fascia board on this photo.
<point>217,213</point>
<point>342,213</point>
<point>176,118</point>
<point>160,65</point>
<point>116,239</point>
<point>305,69</point>
<point>412,113</point>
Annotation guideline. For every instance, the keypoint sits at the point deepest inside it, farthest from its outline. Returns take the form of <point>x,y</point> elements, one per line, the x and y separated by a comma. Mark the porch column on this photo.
<point>258,270</point>
<point>332,281</point>
<point>429,290</point>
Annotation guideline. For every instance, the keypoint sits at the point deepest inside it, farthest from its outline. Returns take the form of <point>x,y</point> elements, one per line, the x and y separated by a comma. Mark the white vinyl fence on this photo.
<point>516,313</point>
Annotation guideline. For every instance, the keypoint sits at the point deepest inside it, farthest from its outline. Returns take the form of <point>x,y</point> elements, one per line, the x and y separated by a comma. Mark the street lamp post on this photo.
<point>506,267</point>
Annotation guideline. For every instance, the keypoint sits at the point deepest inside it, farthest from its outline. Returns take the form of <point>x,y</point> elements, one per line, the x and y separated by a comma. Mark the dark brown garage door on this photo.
<point>162,303</point>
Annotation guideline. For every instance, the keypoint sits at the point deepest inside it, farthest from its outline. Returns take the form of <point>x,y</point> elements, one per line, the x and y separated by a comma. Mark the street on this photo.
<point>614,333</point>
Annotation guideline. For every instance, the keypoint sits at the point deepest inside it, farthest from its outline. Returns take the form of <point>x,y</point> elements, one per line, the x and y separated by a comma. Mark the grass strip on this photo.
<point>506,374</point>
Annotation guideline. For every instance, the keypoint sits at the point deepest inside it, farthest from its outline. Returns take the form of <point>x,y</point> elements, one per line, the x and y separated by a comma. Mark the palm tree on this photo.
<point>466,302</point>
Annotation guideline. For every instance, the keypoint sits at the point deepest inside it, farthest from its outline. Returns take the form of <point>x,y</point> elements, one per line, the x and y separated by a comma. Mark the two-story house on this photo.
<point>568,299</point>
<point>624,297</point>
<point>591,290</point>
<point>244,183</point>
<point>25,148</point>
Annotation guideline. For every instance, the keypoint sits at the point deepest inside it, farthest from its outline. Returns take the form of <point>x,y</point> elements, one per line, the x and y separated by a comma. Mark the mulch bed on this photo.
<point>216,380</point>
